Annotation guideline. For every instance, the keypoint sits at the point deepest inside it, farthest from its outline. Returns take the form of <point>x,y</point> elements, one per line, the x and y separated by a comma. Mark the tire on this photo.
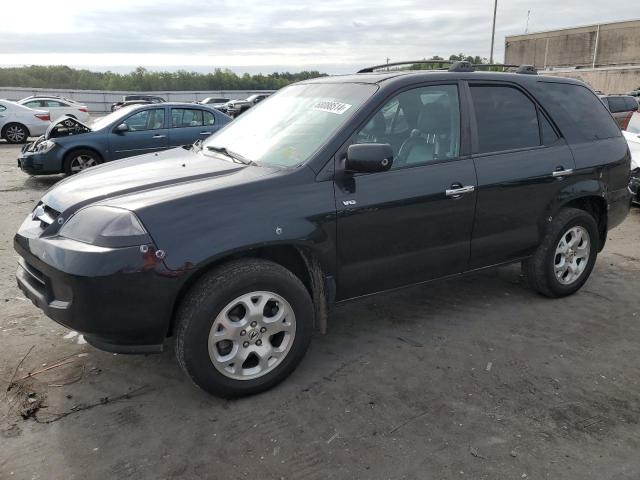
<point>210,318</point>
<point>15,133</point>
<point>80,159</point>
<point>545,271</point>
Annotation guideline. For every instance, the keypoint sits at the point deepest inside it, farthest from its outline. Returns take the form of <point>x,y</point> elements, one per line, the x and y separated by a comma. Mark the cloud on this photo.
<point>330,34</point>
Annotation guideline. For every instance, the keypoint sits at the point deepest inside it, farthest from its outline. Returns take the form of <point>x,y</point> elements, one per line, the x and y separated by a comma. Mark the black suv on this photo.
<point>329,190</point>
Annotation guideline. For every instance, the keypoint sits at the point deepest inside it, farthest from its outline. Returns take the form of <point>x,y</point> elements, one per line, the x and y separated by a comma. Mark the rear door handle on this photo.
<point>159,136</point>
<point>458,190</point>
<point>560,172</point>
<point>206,133</point>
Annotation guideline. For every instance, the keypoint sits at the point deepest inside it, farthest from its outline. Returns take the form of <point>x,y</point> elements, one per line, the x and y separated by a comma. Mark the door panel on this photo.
<point>403,228</point>
<point>189,125</point>
<point>520,155</point>
<point>147,133</point>
<point>514,190</point>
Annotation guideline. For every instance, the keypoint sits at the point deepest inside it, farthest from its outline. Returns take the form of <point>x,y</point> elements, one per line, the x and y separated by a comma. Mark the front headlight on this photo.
<point>46,146</point>
<point>105,227</point>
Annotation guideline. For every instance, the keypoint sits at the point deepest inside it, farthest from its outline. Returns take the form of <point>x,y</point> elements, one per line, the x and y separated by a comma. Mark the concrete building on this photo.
<point>607,55</point>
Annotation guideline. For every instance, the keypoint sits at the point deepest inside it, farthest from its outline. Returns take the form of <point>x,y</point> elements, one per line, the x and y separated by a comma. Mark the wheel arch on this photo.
<point>596,206</point>
<point>300,260</point>
<point>83,147</point>
<point>4,128</point>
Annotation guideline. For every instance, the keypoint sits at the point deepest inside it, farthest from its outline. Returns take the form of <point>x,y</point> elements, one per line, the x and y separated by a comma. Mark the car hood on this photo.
<point>65,127</point>
<point>152,172</point>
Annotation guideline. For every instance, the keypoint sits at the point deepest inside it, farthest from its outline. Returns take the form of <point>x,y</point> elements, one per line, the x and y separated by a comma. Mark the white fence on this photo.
<point>100,101</point>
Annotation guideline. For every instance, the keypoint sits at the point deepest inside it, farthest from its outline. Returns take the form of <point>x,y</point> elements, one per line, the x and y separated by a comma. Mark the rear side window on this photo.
<point>2,108</point>
<point>506,118</point>
<point>578,112</point>
<point>209,118</point>
<point>186,117</point>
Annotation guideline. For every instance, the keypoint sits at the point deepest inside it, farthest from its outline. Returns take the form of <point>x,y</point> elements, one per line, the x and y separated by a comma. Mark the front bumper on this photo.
<point>35,163</point>
<point>120,299</point>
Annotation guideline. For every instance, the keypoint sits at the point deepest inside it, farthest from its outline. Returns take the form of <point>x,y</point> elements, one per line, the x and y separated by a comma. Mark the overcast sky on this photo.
<point>332,36</point>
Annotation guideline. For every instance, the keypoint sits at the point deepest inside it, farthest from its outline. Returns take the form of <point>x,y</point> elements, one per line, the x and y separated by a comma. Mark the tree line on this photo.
<point>141,79</point>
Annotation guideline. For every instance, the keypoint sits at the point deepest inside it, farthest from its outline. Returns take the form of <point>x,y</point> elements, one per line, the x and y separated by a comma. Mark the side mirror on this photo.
<point>123,127</point>
<point>369,157</point>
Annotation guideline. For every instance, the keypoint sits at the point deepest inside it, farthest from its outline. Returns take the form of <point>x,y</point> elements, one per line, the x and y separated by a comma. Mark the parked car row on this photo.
<point>333,189</point>
<point>70,146</point>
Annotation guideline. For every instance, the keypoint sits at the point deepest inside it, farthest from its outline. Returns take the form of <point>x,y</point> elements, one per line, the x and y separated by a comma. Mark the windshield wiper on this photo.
<point>236,157</point>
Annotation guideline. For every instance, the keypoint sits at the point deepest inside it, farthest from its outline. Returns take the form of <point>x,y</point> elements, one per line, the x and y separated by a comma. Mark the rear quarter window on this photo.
<point>579,113</point>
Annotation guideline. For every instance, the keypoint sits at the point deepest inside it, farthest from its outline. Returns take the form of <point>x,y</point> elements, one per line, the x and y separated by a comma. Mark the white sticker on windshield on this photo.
<point>331,107</point>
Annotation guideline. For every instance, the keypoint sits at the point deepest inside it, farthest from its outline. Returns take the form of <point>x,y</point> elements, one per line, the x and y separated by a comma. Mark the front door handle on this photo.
<point>561,172</point>
<point>457,190</point>
<point>159,136</point>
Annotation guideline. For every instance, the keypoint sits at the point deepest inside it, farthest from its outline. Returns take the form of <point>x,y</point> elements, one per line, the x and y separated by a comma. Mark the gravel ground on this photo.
<point>476,377</point>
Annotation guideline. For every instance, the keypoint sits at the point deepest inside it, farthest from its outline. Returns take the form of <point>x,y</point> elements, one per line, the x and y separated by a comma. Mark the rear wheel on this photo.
<point>243,327</point>
<point>565,258</point>
<point>15,133</point>
<point>81,159</point>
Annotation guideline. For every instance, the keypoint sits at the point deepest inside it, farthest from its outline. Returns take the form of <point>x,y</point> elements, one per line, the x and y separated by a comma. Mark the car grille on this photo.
<point>45,214</point>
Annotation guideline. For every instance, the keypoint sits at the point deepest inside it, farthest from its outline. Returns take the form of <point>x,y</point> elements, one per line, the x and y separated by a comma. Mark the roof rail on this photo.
<point>455,66</point>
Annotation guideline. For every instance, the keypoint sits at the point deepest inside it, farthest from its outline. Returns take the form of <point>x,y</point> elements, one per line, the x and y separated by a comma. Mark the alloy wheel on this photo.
<point>16,134</point>
<point>572,255</point>
<point>81,162</point>
<point>252,335</point>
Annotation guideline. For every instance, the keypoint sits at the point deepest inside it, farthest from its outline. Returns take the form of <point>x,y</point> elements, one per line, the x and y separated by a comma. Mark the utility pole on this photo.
<point>493,29</point>
<point>388,63</point>
<point>526,29</point>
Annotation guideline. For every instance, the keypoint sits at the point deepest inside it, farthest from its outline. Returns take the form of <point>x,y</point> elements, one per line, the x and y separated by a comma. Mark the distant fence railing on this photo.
<point>100,101</point>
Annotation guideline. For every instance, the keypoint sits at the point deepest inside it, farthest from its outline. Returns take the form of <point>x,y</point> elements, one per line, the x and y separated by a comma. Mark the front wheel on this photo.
<point>78,160</point>
<point>243,327</point>
<point>565,258</point>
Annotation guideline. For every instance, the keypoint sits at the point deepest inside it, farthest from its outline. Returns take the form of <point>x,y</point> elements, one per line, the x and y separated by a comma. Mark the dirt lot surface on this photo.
<point>475,377</point>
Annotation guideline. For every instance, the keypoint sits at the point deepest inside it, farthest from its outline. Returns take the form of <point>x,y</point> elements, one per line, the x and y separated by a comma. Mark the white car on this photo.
<point>18,122</point>
<point>58,107</point>
<point>632,134</point>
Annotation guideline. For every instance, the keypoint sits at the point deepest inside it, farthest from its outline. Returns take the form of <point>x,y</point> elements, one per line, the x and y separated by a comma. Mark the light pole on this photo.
<point>493,29</point>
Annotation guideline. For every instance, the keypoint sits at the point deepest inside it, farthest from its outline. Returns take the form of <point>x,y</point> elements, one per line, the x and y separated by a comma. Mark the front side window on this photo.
<point>421,125</point>
<point>290,126</point>
<point>506,118</point>
<point>34,104</point>
<point>186,117</point>
<point>146,120</point>
<point>2,108</point>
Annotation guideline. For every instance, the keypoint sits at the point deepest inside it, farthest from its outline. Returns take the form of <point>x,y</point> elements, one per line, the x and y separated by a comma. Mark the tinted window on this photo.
<point>421,125</point>
<point>505,117</point>
<point>146,120</point>
<point>578,111</point>
<point>186,117</point>
<point>33,104</point>
<point>549,135</point>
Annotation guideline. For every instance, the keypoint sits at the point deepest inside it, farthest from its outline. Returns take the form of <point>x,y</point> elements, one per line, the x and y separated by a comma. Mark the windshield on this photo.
<point>102,122</point>
<point>289,127</point>
<point>634,124</point>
